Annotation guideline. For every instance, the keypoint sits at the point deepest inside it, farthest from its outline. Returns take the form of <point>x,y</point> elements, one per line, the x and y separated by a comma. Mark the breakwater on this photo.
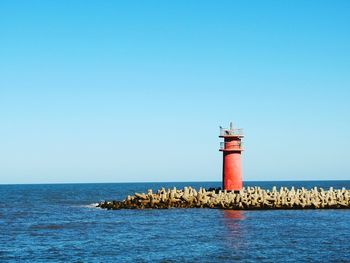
<point>250,198</point>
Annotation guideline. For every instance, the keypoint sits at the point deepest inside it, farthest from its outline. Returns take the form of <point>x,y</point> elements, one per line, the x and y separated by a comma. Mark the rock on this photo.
<point>142,196</point>
<point>247,198</point>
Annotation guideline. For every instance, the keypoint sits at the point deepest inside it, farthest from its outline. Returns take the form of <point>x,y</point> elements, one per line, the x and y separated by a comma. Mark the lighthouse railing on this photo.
<point>225,131</point>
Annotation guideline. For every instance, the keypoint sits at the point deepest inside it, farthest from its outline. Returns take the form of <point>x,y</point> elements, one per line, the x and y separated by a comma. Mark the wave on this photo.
<point>93,205</point>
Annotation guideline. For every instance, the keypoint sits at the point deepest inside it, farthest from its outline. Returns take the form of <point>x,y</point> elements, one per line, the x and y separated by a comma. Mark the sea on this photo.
<point>60,223</point>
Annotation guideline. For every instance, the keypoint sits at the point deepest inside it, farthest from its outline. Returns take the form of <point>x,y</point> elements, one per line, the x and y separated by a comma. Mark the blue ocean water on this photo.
<point>58,223</point>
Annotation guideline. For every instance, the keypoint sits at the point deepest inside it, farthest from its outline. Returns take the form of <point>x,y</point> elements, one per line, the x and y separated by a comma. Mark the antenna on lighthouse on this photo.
<point>231,126</point>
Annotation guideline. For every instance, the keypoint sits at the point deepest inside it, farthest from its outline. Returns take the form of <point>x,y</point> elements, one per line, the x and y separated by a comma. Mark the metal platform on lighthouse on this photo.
<point>232,139</point>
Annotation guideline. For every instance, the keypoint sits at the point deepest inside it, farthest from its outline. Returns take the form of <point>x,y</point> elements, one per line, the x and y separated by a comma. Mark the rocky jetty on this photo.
<point>249,198</point>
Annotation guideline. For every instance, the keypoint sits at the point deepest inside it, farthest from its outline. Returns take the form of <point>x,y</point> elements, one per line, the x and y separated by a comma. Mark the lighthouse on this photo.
<point>231,148</point>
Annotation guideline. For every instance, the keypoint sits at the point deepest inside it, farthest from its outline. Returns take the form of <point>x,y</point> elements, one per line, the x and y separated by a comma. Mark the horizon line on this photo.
<point>157,182</point>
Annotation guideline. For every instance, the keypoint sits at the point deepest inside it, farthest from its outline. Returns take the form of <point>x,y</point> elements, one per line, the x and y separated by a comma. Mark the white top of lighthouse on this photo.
<point>231,132</point>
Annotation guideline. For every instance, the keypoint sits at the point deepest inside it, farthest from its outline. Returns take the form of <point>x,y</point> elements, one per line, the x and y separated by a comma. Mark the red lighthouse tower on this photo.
<point>231,148</point>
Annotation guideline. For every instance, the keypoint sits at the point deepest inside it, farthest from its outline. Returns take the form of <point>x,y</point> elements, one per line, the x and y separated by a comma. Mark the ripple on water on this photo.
<point>60,223</point>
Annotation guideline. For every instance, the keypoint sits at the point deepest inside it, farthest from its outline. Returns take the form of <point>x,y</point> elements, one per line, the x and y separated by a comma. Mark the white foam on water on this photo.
<point>93,205</point>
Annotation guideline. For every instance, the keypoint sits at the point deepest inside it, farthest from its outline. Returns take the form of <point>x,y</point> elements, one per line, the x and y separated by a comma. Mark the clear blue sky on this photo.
<point>125,91</point>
